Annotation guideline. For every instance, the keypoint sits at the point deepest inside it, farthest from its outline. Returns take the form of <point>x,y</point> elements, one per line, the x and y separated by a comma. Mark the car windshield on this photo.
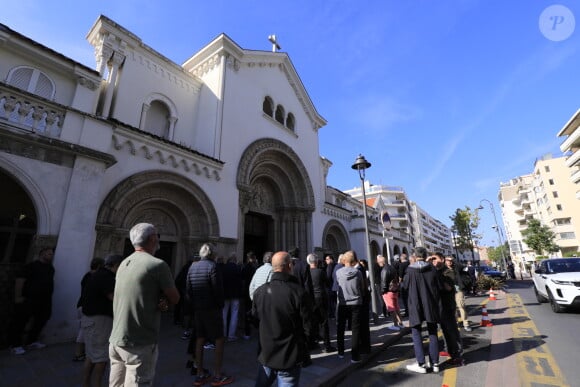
<point>563,266</point>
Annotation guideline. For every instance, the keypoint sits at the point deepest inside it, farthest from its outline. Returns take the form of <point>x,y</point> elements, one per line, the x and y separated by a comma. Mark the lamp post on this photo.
<point>361,164</point>
<point>498,230</point>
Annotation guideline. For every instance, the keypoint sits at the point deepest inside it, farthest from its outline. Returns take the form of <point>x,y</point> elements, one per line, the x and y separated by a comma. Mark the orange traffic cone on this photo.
<point>491,295</point>
<point>485,321</point>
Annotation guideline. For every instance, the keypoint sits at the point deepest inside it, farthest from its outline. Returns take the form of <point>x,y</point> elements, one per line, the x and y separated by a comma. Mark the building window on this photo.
<point>157,121</point>
<point>33,81</point>
<point>290,121</point>
<point>551,181</point>
<point>561,221</point>
<point>559,207</point>
<point>268,106</point>
<point>280,114</point>
<point>547,168</point>
<point>555,194</point>
<point>567,235</point>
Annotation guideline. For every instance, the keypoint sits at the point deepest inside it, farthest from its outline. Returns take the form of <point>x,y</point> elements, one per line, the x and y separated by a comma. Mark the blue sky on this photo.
<point>446,99</point>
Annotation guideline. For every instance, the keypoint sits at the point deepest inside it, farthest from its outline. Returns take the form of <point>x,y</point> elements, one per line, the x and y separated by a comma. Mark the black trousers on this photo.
<point>37,310</point>
<point>343,312</point>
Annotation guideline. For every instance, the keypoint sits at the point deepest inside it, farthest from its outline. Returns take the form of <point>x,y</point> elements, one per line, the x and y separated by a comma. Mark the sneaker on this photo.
<point>444,354</point>
<point>222,380</point>
<point>246,337</point>
<point>209,346</point>
<point>355,361</point>
<point>418,368</point>
<point>341,355</point>
<point>200,380</point>
<point>186,335</point>
<point>394,328</point>
<point>435,368</point>
<point>18,351</point>
<point>36,345</point>
<point>329,349</point>
<point>467,329</point>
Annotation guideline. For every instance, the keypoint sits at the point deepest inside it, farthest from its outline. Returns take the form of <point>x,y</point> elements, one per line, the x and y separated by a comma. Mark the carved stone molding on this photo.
<point>149,152</point>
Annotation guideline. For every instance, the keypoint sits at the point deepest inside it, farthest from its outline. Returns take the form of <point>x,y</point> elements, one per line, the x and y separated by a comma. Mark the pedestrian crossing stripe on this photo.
<point>536,365</point>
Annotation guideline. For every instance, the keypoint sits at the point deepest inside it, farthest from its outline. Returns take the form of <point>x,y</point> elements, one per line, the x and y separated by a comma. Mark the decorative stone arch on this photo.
<point>180,209</point>
<point>275,190</point>
<point>34,191</point>
<point>335,238</point>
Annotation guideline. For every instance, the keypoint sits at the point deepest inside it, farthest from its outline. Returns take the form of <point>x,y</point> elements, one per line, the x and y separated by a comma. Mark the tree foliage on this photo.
<point>496,254</point>
<point>539,237</point>
<point>465,223</point>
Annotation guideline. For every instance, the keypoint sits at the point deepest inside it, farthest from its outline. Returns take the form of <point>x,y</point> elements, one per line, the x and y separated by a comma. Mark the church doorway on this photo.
<point>258,236</point>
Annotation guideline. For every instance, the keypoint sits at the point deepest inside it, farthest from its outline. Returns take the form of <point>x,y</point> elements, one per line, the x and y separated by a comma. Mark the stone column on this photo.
<point>75,246</point>
<point>116,60</point>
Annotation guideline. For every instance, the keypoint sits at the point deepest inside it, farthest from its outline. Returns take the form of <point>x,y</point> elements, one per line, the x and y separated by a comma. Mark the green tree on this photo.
<point>539,237</point>
<point>496,254</point>
<point>465,223</point>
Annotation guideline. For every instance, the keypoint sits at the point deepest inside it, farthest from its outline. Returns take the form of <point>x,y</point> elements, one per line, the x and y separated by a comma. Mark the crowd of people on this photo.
<point>287,301</point>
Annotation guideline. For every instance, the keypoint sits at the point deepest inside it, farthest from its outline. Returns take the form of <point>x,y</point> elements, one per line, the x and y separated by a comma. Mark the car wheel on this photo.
<point>556,308</point>
<point>541,299</point>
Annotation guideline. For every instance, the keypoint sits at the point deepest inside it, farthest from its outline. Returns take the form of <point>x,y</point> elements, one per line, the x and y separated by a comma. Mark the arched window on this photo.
<point>157,121</point>
<point>280,114</point>
<point>32,80</point>
<point>290,121</point>
<point>268,106</point>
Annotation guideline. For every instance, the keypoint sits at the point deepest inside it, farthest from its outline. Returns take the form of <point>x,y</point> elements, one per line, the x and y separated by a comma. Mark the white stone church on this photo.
<point>223,148</point>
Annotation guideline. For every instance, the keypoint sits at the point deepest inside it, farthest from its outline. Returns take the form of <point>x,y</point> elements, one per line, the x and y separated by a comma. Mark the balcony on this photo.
<point>573,160</point>
<point>31,113</point>
<point>573,141</point>
<point>396,203</point>
<point>575,176</point>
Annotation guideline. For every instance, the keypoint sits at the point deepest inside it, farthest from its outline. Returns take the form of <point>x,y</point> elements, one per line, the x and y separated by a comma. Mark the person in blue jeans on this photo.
<point>283,309</point>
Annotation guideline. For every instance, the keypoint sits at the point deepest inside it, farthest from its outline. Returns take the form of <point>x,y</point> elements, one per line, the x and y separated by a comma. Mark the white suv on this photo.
<point>558,280</point>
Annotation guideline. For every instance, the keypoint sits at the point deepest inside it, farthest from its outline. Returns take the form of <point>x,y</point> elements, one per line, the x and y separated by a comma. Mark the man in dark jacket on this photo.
<point>301,271</point>
<point>283,308</point>
<point>320,306</point>
<point>462,285</point>
<point>205,290</point>
<point>403,265</point>
<point>448,321</point>
<point>423,286</point>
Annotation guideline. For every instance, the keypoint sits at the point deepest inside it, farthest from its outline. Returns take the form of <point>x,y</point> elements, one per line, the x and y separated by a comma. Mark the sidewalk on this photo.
<point>53,367</point>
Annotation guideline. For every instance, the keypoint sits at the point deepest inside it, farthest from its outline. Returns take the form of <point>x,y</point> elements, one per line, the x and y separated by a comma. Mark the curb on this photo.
<point>334,377</point>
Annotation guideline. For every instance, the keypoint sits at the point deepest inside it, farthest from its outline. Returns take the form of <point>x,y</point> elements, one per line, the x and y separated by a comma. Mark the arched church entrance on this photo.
<point>276,199</point>
<point>18,224</point>
<point>335,239</point>
<point>179,209</point>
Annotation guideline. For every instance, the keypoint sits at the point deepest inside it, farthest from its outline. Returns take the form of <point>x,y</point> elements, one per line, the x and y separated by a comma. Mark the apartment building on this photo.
<point>549,195</point>
<point>571,148</point>
<point>411,225</point>
<point>430,232</point>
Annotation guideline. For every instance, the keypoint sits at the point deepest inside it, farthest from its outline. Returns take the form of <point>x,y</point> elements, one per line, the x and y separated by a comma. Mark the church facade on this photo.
<point>223,148</point>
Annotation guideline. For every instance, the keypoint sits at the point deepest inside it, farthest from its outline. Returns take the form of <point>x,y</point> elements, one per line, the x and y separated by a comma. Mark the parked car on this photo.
<point>557,280</point>
<point>491,272</point>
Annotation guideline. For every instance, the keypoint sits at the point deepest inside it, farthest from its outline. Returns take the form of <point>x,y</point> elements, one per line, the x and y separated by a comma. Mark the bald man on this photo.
<point>283,308</point>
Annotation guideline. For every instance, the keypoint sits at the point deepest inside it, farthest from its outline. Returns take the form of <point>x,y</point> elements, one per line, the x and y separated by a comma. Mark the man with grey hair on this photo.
<point>320,308</point>
<point>144,287</point>
<point>423,285</point>
<point>205,290</point>
<point>262,274</point>
<point>283,309</point>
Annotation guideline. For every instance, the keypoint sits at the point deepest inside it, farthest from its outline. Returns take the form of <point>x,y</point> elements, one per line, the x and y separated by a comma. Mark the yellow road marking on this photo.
<point>536,365</point>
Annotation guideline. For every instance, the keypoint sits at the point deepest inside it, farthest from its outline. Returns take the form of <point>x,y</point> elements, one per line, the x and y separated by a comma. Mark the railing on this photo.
<point>30,112</point>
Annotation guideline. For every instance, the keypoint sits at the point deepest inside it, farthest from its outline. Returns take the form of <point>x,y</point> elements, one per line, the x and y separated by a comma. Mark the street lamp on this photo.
<point>361,164</point>
<point>497,229</point>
